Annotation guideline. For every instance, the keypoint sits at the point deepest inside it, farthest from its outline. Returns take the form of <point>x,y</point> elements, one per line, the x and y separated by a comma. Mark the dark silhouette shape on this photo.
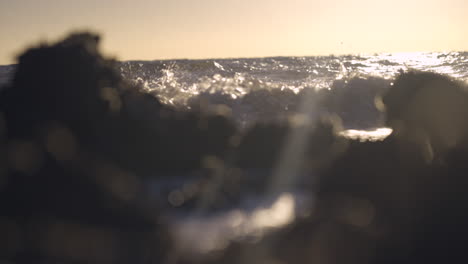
<point>387,201</point>
<point>428,109</point>
<point>62,196</point>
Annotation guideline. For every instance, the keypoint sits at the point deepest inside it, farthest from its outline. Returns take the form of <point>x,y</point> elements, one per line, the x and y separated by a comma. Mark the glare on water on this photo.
<point>367,135</point>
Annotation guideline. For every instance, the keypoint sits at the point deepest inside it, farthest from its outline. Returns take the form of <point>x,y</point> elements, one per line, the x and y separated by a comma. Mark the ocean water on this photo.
<point>255,89</point>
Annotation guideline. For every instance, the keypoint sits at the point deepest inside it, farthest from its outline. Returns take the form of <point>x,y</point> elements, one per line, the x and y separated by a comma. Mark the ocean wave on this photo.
<point>271,88</point>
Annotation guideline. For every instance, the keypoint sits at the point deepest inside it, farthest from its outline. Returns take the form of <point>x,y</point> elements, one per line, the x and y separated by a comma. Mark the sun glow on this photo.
<point>163,29</point>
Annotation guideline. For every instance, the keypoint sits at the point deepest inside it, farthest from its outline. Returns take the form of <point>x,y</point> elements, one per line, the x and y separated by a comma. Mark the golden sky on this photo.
<point>165,29</point>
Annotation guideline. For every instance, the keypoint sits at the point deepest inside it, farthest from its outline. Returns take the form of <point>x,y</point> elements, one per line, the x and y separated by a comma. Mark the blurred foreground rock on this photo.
<point>400,200</point>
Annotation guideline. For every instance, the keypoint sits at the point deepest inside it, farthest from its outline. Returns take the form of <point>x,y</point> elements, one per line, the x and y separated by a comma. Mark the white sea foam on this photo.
<point>203,234</point>
<point>367,135</point>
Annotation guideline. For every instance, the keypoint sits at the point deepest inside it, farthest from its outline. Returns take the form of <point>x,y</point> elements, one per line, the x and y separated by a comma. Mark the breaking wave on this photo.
<point>272,88</point>
<point>266,89</point>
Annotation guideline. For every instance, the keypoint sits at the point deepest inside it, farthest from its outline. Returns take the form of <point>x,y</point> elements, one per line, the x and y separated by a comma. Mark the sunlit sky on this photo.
<point>165,29</point>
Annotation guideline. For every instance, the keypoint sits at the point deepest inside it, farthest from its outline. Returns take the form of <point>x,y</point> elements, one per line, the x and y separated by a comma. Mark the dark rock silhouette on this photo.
<point>77,141</point>
<point>71,84</point>
<point>64,196</point>
<point>387,201</point>
<point>428,109</point>
<point>392,201</point>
